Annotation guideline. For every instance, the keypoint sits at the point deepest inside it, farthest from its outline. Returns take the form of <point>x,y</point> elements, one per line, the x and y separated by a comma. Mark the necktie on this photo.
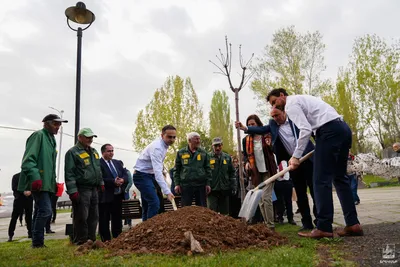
<point>114,173</point>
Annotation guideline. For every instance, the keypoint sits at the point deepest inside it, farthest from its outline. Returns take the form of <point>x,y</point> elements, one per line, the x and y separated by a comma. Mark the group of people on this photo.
<point>97,184</point>
<point>295,121</point>
<point>209,179</point>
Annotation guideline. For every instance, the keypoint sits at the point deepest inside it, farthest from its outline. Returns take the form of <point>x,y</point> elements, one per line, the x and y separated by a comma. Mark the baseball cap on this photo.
<point>86,132</point>
<point>53,117</point>
<point>217,141</point>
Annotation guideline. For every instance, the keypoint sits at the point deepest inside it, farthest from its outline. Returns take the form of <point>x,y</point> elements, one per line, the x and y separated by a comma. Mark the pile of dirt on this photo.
<point>178,232</point>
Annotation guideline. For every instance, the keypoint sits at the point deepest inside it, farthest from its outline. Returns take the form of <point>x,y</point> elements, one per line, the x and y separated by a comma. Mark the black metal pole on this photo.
<point>78,84</point>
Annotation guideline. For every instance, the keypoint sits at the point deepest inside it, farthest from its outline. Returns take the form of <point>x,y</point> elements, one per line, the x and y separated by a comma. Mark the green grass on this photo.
<point>298,252</point>
<point>368,179</point>
<point>64,210</point>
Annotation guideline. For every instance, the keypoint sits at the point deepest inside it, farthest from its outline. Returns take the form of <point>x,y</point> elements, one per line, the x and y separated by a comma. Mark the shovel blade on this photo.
<point>250,204</point>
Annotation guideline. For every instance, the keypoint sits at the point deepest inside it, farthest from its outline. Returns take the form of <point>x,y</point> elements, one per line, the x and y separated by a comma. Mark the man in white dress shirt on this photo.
<point>149,168</point>
<point>333,141</point>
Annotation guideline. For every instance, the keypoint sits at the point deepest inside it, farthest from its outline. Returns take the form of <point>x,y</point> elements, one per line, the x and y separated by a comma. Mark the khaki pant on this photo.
<point>266,207</point>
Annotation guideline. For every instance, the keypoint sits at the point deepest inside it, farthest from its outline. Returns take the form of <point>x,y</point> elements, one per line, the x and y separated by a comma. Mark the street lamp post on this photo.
<point>79,14</point>
<point>61,112</point>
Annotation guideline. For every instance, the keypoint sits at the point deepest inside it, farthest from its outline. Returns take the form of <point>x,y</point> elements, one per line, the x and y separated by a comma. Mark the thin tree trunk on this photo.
<point>239,142</point>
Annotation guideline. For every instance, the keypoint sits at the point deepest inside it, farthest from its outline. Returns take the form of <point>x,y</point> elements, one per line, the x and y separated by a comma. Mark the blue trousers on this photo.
<point>144,182</point>
<point>354,186</point>
<point>41,215</point>
<point>333,141</point>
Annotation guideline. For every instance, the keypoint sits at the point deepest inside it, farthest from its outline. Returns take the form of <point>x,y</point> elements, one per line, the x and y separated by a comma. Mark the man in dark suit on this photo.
<point>23,201</point>
<point>115,178</point>
<point>284,140</point>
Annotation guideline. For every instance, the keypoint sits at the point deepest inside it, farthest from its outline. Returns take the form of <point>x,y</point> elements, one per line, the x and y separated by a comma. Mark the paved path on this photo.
<point>378,205</point>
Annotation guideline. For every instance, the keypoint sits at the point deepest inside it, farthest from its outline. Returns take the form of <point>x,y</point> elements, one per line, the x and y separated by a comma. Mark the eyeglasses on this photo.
<point>110,151</point>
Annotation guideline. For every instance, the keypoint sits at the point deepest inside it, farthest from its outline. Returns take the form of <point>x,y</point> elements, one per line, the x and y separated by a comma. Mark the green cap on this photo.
<point>87,132</point>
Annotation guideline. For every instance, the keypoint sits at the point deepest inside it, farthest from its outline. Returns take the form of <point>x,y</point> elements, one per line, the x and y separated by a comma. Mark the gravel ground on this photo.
<point>368,250</point>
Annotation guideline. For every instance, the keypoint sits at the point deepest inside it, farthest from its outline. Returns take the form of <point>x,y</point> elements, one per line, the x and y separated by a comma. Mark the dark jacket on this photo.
<point>82,168</point>
<point>39,162</point>
<point>277,145</point>
<point>223,173</point>
<point>108,195</point>
<point>14,186</point>
<point>192,169</point>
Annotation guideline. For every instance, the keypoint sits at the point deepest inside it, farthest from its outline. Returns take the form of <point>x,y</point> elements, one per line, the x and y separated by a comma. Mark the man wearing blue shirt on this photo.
<point>149,168</point>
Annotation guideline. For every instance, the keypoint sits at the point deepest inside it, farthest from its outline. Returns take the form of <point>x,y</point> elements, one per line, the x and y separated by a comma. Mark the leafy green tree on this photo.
<point>293,61</point>
<point>175,103</point>
<point>375,73</point>
<point>342,98</point>
<point>220,120</point>
<point>367,93</point>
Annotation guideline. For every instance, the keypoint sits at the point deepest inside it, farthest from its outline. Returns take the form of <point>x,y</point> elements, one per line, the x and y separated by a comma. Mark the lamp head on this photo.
<point>80,14</point>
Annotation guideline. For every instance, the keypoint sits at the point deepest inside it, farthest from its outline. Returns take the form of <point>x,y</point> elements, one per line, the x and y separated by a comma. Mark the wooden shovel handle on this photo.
<point>282,172</point>
<point>174,204</point>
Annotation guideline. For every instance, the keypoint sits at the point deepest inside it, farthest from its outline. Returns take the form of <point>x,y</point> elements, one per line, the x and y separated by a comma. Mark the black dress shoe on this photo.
<point>50,232</point>
<point>292,222</point>
<point>10,239</point>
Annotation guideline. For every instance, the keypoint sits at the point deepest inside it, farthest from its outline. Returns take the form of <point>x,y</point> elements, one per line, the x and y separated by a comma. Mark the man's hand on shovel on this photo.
<point>170,197</point>
<point>294,163</point>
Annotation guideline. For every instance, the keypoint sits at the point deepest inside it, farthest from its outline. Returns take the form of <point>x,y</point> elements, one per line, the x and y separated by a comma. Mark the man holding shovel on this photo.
<point>333,141</point>
<point>149,169</point>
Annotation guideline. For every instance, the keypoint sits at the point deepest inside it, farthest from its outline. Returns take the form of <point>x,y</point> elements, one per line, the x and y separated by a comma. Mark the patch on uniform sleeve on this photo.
<point>185,161</point>
<point>96,155</point>
<point>225,161</point>
<point>199,157</point>
<point>86,161</point>
<point>185,156</point>
<point>84,155</point>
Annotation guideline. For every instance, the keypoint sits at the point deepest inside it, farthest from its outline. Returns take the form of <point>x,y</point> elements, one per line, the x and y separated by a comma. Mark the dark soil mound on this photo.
<point>165,234</point>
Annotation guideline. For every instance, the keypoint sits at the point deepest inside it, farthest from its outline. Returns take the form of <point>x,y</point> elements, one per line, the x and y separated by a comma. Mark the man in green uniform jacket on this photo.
<point>38,174</point>
<point>83,178</point>
<point>223,182</point>
<point>192,174</point>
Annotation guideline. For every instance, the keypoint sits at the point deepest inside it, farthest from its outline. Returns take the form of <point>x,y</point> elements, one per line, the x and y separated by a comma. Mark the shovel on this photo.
<point>253,197</point>
<point>166,174</point>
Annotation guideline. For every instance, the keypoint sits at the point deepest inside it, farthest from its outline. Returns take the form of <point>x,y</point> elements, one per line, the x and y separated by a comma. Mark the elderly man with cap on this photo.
<point>83,178</point>
<point>38,174</point>
<point>192,174</point>
<point>223,182</point>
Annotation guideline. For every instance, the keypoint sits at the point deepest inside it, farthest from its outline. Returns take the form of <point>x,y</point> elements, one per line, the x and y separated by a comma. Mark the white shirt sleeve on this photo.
<point>157,159</point>
<point>296,114</point>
